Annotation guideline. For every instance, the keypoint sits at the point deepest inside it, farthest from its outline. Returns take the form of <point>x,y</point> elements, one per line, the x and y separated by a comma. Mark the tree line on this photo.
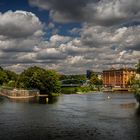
<point>32,78</point>
<point>48,81</point>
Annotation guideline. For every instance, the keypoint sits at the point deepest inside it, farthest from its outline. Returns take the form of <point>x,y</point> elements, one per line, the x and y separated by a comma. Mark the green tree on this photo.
<point>135,83</point>
<point>80,77</point>
<point>94,80</point>
<point>1,68</point>
<point>12,76</point>
<point>39,78</point>
<point>52,82</point>
<point>3,77</point>
<point>138,67</point>
<point>7,77</point>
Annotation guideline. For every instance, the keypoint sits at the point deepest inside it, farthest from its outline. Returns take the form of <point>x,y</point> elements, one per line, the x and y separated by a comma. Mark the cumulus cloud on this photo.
<point>103,12</point>
<point>51,53</point>
<point>20,24</point>
<point>56,40</point>
<point>120,38</point>
<point>20,34</point>
<point>99,48</point>
<point>103,39</point>
<point>112,45</point>
<point>19,31</point>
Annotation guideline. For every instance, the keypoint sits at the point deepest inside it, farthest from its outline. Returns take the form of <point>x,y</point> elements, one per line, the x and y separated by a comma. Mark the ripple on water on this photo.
<point>73,117</point>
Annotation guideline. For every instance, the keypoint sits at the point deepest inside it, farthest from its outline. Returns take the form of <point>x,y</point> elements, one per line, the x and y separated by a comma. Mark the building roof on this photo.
<point>121,69</point>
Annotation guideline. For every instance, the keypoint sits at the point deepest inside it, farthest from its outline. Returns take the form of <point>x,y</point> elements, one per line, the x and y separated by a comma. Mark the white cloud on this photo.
<point>75,60</point>
<point>20,24</point>
<point>21,34</point>
<point>103,40</point>
<point>50,53</point>
<point>57,38</point>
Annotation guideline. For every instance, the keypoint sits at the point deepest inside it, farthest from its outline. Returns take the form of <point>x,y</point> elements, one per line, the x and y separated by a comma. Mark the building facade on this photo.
<point>118,78</point>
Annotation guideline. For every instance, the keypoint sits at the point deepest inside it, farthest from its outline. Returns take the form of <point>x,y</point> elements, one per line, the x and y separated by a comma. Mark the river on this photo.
<point>93,116</point>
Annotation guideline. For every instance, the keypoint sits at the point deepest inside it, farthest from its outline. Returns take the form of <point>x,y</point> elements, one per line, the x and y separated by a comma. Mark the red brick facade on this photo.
<point>117,78</point>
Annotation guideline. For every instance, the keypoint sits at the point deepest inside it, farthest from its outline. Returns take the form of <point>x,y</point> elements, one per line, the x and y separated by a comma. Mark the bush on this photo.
<point>68,90</point>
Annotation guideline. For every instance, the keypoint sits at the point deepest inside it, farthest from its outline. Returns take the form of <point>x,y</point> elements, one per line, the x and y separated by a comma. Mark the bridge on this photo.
<point>71,83</point>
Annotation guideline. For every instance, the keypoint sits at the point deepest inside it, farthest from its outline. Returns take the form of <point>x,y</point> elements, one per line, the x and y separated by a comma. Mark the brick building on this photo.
<point>118,77</point>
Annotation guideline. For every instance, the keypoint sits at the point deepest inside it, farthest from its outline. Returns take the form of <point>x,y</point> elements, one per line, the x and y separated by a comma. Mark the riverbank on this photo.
<point>116,89</point>
<point>77,90</point>
<point>84,90</point>
<point>137,94</point>
<point>18,93</point>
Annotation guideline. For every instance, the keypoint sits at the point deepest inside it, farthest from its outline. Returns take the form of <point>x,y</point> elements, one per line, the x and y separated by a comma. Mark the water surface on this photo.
<point>93,116</point>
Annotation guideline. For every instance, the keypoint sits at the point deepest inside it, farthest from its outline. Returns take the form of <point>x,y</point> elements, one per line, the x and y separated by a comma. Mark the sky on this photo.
<point>69,36</point>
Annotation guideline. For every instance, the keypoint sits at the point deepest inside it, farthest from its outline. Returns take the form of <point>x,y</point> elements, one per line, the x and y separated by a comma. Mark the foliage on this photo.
<point>11,83</point>
<point>135,85</point>
<point>11,75</point>
<point>94,80</point>
<point>55,94</point>
<point>81,77</point>
<point>53,84</point>
<point>138,67</point>
<point>1,68</point>
<point>74,90</point>
<point>39,78</point>
<point>68,90</point>
<point>6,76</point>
<point>3,77</point>
<point>72,81</point>
<point>136,89</point>
<point>83,89</point>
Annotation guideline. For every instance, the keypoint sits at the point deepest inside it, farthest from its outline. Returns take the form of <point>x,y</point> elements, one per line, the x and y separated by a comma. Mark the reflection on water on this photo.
<point>1,99</point>
<point>40,100</point>
<point>138,111</point>
<point>71,117</point>
<point>28,100</point>
<point>128,105</point>
<point>44,100</point>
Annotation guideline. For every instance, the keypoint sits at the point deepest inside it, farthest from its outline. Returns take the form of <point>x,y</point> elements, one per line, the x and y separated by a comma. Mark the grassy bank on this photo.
<point>55,94</point>
<point>76,90</point>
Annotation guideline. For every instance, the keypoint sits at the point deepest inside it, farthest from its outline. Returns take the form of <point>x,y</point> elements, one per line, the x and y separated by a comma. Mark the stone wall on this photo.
<point>18,93</point>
